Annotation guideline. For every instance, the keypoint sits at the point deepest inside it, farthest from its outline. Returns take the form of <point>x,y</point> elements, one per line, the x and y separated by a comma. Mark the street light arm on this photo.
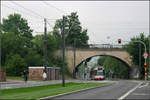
<point>142,43</point>
<point>139,41</point>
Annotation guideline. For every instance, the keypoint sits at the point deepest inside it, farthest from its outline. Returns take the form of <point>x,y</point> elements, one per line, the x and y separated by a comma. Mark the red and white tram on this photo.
<point>98,73</point>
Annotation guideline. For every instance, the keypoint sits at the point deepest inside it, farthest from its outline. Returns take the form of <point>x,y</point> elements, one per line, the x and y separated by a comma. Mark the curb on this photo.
<point>82,90</point>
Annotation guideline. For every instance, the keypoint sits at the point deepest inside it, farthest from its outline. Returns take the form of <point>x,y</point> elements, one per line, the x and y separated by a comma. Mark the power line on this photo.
<point>25,12</point>
<point>48,4</point>
<point>27,9</point>
<point>31,11</point>
<point>17,10</point>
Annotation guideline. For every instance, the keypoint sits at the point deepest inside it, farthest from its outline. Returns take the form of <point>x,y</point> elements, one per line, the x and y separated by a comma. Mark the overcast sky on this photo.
<point>106,21</point>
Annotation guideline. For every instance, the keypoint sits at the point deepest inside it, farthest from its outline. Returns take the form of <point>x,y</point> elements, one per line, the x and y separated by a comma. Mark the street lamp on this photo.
<point>145,52</point>
<point>144,47</point>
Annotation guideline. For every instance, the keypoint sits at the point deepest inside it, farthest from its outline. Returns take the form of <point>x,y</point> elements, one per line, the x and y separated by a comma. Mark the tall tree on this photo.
<point>73,30</point>
<point>18,25</point>
<point>15,23</point>
<point>12,44</point>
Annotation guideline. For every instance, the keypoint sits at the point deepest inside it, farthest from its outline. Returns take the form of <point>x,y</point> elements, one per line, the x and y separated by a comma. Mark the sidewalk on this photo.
<point>8,85</point>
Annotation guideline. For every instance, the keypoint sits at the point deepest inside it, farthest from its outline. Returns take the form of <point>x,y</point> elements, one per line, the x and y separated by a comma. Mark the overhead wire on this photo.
<point>18,10</point>
<point>50,5</point>
<point>15,3</point>
<point>31,11</point>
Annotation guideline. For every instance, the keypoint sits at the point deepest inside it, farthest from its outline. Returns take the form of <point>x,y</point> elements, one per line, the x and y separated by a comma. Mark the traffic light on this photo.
<point>119,41</point>
<point>145,64</point>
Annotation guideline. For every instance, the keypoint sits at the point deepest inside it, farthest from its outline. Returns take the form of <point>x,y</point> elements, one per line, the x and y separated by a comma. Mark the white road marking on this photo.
<point>140,94</point>
<point>144,85</point>
<point>126,94</point>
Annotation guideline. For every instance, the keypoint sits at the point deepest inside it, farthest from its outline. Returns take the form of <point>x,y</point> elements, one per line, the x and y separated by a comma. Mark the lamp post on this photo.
<point>144,47</point>
<point>145,52</point>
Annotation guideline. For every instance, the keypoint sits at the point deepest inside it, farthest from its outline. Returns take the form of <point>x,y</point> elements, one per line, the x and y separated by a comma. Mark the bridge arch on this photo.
<point>76,70</point>
<point>87,59</point>
<point>82,54</point>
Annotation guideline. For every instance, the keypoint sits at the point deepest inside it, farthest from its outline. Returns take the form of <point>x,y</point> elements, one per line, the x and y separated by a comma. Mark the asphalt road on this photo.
<point>125,89</point>
<point>142,92</point>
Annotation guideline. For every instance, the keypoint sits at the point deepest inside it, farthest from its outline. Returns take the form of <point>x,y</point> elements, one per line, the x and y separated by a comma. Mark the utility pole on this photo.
<point>149,52</point>
<point>139,55</point>
<point>74,45</point>
<point>45,45</point>
<point>63,47</point>
<point>0,55</point>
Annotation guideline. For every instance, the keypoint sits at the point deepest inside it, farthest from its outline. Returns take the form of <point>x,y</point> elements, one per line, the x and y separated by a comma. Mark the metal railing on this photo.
<point>97,46</point>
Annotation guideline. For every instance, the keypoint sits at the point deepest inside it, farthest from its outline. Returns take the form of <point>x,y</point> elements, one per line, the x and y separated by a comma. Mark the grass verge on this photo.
<point>14,77</point>
<point>44,91</point>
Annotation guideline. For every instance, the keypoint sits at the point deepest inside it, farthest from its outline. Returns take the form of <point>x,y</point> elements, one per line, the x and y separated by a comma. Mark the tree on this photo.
<point>12,44</point>
<point>19,26</point>
<point>15,65</point>
<point>32,58</point>
<point>51,46</point>
<point>15,23</point>
<point>73,32</point>
<point>115,67</point>
<point>101,60</point>
<point>133,49</point>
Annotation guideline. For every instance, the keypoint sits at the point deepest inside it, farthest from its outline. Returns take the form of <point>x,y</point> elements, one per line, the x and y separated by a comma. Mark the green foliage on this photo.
<point>57,61</point>
<point>12,44</point>
<point>15,23</point>
<point>32,58</point>
<point>114,67</point>
<point>73,30</point>
<point>101,60</point>
<point>133,49</point>
<point>51,47</point>
<point>21,50</point>
<point>15,65</point>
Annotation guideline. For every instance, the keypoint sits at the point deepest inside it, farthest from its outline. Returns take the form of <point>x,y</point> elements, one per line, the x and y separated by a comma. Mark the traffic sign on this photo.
<point>145,55</point>
<point>146,67</point>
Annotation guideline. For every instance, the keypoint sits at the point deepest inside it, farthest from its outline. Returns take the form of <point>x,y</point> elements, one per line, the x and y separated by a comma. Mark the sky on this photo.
<point>106,21</point>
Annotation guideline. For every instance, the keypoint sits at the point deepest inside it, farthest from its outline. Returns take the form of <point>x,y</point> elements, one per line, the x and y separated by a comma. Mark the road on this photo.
<point>123,89</point>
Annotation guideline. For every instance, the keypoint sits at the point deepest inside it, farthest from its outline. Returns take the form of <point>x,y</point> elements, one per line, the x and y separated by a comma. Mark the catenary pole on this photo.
<point>63,49</point>
<point>74,57</point>
<point>45,45</point>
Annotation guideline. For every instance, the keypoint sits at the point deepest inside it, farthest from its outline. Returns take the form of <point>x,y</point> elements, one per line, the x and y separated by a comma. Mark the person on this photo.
<point>44,76</point>
<point>25,75</point>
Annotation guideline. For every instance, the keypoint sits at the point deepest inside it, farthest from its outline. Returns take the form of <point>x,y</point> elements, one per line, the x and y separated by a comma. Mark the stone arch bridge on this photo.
<point>85,53</point>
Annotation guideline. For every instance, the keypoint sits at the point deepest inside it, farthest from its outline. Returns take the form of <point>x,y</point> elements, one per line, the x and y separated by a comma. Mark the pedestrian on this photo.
<point>25,75</point>
<point>44,75</point>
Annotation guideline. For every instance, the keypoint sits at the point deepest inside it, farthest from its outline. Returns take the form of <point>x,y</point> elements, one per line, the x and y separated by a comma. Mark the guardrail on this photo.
<point>96,46</point>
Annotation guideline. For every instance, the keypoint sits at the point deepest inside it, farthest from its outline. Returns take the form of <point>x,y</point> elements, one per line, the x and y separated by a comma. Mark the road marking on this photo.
<point>139,94</point>
<point>144,85</point>
<point>126,94</point>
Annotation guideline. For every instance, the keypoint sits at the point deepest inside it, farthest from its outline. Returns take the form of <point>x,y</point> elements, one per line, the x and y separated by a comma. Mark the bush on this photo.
<point>15,65</point>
